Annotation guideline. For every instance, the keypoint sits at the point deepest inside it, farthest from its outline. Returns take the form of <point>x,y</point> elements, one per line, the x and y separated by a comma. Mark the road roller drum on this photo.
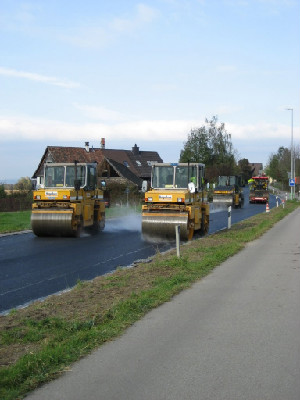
<point>224,200</point>
<point>162,225</point>
<point>53,223</point>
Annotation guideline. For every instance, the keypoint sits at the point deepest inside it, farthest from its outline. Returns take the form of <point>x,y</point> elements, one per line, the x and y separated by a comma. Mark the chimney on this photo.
<point>102,143</point>
<point>135,150</point>
<point>87,148</point>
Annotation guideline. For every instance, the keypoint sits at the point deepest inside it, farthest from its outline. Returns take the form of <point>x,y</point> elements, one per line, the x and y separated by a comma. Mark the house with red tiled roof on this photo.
<point>138,162</point>
<point>132,166</point>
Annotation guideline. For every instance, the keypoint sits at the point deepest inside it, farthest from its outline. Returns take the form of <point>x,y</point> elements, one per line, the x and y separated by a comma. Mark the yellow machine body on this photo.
<point>180,200</point>
<point>62,210</point>
<point>228,192</point>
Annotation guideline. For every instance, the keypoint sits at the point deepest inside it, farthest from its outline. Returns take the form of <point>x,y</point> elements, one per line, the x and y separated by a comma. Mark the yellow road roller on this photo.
<point>176,197</point>
<point>68,201</point>
<point>228,192</point>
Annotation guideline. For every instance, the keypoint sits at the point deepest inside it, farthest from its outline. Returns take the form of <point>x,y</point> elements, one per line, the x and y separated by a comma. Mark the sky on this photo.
<point>146,72</point>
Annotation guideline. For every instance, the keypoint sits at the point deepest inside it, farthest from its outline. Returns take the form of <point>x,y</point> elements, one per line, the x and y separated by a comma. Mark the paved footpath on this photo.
<point>235,335</point>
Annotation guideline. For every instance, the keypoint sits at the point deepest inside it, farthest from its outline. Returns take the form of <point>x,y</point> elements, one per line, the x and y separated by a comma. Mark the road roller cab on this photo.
<point>68,201</point>
<point>228,192</point>
<point>176,197</point>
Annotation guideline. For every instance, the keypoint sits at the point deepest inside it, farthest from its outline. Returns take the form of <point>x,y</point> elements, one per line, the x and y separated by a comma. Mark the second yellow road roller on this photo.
<point>177,197</point>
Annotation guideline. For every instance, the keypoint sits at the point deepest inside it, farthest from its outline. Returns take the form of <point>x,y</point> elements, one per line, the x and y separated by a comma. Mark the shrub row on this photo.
<point>16,202</point>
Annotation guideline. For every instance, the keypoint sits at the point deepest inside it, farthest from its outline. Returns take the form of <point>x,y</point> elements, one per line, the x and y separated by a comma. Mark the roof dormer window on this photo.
<point>150,163</point>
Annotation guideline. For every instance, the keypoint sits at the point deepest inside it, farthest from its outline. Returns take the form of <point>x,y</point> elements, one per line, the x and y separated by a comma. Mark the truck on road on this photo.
<point>258,189</point>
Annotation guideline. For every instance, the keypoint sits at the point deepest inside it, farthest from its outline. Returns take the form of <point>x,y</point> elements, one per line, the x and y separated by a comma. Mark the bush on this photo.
<point>17,201</point>
<point>2,192</point>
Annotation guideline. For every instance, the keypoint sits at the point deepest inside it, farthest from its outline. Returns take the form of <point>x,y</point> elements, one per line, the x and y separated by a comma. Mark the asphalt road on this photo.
<point>233,336</point>
<point>32,268</point>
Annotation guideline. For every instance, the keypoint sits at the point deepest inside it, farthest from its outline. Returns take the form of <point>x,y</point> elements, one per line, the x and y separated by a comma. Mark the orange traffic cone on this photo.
<point>267,207</point>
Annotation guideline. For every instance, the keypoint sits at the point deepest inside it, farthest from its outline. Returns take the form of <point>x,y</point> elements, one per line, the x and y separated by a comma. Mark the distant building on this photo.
<point>256,169</point>
<point>132,165</point>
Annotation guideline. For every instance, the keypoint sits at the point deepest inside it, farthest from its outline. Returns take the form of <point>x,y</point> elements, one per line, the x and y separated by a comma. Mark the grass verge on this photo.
<point>41,341</point>
<point>14,221</point>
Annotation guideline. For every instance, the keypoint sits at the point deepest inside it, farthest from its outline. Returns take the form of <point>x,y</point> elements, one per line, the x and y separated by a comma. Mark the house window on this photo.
<point>150,163</point>
<point>126,164</point>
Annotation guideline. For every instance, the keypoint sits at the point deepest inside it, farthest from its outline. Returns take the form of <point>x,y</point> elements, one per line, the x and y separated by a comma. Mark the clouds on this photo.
<point>99,34</point>
<point>142,16</point>
<point>101,113</point>
<point>252,141</point>
<point>18,17</point>
<point>269,3</point>
<point>114,128</point>
<point>227,68</point>
<point>93,30</point>
<point>32,76</point>
<point>141,70</point>
<point>260,130</point>
<point>22,128</point>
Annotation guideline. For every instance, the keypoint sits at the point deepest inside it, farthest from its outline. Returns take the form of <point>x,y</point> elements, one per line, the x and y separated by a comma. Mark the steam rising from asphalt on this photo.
<point>132,223</point>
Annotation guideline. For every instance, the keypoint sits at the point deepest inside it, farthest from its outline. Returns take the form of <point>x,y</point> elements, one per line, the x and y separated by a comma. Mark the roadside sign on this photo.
<point>291,182</point>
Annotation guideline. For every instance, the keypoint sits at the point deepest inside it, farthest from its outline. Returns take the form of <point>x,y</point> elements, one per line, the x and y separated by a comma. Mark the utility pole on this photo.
<point>292,155</point>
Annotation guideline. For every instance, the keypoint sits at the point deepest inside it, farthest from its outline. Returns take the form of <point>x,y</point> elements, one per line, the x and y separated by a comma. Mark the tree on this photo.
<point>279,165</point>
<point>211,145</point>
<point>297,161</point>
<point>24,184</point>
<point>196,148</point>
<point>220,141</point>
<point>245,169</point>
<point>2,192</point>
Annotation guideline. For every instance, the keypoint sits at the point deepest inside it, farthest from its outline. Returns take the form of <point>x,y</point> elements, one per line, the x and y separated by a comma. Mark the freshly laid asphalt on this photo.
<point>43,266</point>
<point>235,335</point>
